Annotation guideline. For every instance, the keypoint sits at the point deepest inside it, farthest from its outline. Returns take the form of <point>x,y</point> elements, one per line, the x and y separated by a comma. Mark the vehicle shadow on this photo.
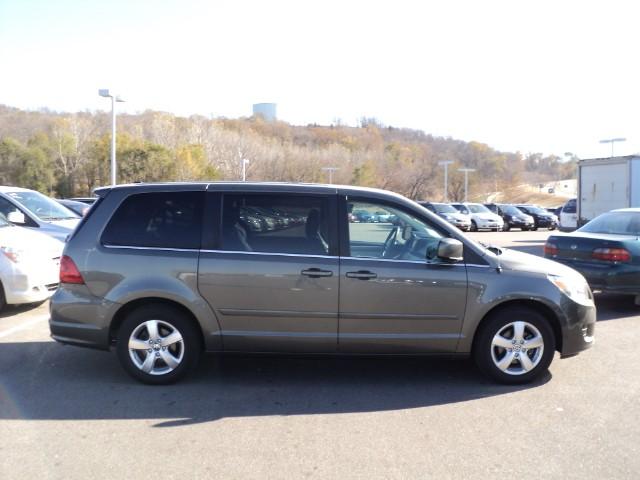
<point>12,310</point>
<point>48,381</point>
<point>615,307</point>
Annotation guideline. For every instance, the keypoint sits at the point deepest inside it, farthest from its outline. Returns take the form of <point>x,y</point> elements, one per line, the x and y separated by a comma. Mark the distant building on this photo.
<point>265,110</point>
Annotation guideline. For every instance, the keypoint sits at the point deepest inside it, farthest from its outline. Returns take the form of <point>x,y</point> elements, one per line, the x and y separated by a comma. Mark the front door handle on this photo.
<point>362,275</point>
<point>316,273</point>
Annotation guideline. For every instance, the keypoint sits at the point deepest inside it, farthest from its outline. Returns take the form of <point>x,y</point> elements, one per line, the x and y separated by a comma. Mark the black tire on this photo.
<point>534,228</point>
<point>484,351</point>
<point>474,227</point>
<point>189,350</point>
<point>525,229</point>
<point>506,227</point>
<point>552,227</point>
<point>3,301</point>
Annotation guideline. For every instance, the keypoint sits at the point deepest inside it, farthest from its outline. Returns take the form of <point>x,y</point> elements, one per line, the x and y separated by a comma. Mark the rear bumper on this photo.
<point>79,318</point>
<point>607,277</point>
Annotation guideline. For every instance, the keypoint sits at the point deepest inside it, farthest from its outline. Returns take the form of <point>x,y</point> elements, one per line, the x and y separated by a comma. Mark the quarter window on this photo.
<point>292,224</point>
<point>157,219</point>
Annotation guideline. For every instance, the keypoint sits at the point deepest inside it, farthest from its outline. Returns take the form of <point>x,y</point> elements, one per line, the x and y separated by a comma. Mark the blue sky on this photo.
<point>542,76</point>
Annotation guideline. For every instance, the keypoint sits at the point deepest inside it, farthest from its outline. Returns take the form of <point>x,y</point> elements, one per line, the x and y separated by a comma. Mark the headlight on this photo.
<point>12,254</point>
<point>575,287</point>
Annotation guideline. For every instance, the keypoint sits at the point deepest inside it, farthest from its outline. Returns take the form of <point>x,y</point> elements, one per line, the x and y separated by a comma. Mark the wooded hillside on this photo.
<point>67,154</point>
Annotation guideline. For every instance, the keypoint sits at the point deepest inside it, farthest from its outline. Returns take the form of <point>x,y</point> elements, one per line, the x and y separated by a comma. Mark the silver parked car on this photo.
<point>163,272</point>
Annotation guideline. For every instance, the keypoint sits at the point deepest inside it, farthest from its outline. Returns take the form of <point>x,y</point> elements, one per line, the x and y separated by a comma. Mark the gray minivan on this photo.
<point>163,272</point>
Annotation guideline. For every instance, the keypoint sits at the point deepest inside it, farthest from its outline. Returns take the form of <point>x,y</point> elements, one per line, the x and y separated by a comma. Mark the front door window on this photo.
<point>387,232</point>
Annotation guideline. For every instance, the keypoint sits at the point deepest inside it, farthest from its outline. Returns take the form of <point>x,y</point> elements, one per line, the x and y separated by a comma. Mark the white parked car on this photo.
<point>29,264</point>
<point>481,217</point>
<point>33,210</point>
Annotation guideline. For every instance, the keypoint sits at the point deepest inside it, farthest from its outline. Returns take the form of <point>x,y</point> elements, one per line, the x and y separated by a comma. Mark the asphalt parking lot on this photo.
<point>72,413</point>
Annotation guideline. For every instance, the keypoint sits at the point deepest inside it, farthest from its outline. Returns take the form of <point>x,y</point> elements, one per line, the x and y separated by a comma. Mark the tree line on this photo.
<point>67,154</point>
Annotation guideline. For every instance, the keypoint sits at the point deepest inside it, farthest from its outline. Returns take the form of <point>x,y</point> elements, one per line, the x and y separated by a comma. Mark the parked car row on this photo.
<point>493,216</point>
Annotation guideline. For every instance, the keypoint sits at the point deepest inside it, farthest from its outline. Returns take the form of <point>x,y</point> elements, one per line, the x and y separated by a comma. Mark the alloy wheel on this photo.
<point>156,347</point>
<point>517,348</point>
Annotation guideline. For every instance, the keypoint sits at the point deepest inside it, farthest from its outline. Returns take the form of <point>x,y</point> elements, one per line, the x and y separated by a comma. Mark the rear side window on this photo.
<point>293,224</point>
<point>157,219</point>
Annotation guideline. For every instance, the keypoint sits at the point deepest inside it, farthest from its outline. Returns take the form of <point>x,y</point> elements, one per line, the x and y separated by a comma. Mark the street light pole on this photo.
<point>612,141</point>
<point>103,92</point>
<point>446,164</point>
<point>466,179</point>
<point>330,170</point>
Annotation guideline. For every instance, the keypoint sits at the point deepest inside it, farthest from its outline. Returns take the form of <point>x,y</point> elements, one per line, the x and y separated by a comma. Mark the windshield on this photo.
<point>444,208</point>
<point>532,209</point>
<point>42,206</point>
<point>511,210</point>
<point>477,208</point>
<point>620,223</point>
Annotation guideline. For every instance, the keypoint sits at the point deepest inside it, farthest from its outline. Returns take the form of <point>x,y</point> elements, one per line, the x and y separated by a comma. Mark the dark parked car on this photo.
<point>541,218</point>
<point>450,214</point>
<point>512,216</point>
<point>605,250</point>
<point>87,200</point>
<point>163,272</point>
<point>78,208</point>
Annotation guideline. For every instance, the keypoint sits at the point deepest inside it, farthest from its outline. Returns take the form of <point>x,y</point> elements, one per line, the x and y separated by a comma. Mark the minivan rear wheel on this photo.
<point>157,344</point>
<point>514,346</point>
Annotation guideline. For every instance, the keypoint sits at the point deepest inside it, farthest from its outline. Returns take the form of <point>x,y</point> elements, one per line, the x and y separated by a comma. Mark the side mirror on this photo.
<point>16,217</point>
<point>450,250</point>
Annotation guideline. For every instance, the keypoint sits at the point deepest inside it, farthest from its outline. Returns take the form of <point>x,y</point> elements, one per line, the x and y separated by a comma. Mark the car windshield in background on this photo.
<point>570,207</point>
<point>536,210</point>
<point>444,208</point>
<point>510,210</point>
<point>478,209</point>
<point>617,223</point>
<point>43,207</point>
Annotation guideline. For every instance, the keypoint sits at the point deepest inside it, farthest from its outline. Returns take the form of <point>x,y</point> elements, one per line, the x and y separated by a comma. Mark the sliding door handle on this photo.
<point>362,275</point>
<point>316,273</point>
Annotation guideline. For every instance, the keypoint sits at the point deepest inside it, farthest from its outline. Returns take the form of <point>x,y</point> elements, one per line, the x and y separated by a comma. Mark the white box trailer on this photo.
<point>605,184</point>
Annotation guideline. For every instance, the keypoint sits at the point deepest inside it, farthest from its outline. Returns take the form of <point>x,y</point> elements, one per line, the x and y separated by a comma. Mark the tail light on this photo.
<point>69,273</point>
<point>611,254</point>
<point>550,249</point>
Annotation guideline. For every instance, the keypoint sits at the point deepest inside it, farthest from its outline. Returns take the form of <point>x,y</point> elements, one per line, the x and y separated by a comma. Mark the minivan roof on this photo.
<point>249,186</point>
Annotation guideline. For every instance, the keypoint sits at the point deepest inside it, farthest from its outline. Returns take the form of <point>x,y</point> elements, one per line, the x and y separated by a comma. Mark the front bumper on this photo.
<point>489,224</point>
<point>29,284</point>
<point>521,223</point>
<point>579,329</point>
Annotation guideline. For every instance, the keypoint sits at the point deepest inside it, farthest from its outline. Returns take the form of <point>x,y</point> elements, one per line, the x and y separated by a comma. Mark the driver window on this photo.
<point>382,231</point>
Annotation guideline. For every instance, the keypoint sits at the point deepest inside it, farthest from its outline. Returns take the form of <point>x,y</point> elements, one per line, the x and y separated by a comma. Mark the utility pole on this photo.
<point>244,169</point>
<point>466,179</point>
<point>330,170</point>
<point>446,164</point>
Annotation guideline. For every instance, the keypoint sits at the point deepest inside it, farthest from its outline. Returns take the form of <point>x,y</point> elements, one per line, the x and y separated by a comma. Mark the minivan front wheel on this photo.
<point>515,346</point>
<point>157,344</point>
